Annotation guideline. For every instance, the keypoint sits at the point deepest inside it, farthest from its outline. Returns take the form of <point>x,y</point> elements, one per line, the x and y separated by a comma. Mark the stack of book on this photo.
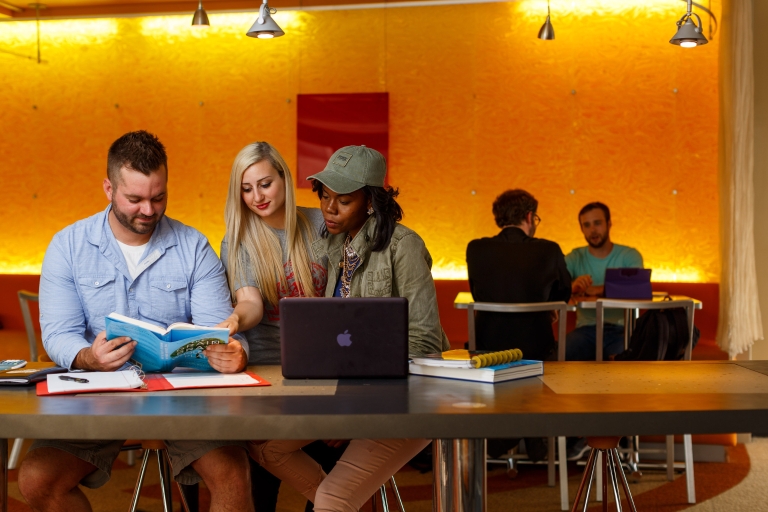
<point>478,366</point>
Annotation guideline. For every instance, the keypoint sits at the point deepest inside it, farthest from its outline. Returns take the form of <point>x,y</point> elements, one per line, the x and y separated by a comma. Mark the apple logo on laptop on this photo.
<point>345,339</point>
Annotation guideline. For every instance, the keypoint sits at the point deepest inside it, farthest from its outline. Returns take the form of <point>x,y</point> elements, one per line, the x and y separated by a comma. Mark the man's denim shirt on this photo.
<point>85,278</point>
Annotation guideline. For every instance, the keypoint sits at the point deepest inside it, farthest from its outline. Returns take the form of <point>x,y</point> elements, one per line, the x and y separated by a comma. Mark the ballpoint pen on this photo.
<point>73,379</point>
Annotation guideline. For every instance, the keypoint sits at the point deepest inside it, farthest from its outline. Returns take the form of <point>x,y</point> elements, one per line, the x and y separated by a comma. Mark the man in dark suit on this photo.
<point>514,267</point>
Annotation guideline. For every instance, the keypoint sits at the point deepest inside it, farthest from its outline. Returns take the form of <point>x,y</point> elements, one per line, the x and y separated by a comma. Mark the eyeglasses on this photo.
<point>536,219</point>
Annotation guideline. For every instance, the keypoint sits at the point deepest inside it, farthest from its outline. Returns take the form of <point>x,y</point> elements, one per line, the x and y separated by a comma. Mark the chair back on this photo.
<point>24,298</point>
<point>532,307</point>
<point>602,304</point>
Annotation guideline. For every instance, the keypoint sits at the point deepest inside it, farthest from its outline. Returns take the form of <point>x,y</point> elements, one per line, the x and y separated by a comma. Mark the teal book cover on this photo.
<point>161,350</point>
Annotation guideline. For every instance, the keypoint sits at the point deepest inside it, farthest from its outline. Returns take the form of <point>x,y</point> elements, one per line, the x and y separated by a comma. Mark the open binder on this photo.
<point>130,380</point>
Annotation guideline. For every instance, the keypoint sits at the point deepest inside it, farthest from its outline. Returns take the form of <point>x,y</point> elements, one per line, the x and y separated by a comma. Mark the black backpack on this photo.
<point>659,335</point>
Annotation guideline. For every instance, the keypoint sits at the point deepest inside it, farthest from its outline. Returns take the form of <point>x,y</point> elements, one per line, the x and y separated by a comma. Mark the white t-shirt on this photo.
<point>132,254</point>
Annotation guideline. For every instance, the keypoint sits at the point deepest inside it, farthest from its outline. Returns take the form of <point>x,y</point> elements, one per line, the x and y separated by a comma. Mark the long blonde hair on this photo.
<point>247,231</point>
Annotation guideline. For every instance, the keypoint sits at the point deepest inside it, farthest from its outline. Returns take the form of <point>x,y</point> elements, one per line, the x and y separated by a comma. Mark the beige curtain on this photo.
<point>740,322</point>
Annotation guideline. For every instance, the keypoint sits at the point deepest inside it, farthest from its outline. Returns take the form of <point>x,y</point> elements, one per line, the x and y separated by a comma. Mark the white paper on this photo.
<point>126,379</point>
<point>194,380</point>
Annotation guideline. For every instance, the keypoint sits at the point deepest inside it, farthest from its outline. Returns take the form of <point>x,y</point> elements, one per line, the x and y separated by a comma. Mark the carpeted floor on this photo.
<point>734,486</point>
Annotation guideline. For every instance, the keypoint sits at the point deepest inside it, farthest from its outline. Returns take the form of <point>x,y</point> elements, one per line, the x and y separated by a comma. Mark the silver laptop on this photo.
<point>335,338</point>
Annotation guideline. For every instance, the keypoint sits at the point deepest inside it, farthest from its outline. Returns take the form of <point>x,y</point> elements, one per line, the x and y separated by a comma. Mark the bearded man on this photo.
<point>131,259</point>
<point>589,264</point>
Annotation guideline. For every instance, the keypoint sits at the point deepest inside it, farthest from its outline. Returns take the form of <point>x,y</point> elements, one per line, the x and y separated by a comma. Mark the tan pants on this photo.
<point>364,467</point>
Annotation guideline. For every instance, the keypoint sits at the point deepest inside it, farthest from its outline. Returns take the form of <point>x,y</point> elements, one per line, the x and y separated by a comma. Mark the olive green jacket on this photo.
<point>400,270</point>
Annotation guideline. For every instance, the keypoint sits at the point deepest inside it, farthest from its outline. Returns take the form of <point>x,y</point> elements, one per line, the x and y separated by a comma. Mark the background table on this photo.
<point>571,399</point>
<point>589,302</point>
<point>632,309</point>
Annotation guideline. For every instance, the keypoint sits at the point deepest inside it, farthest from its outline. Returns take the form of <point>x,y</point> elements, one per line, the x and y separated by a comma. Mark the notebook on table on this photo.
<point>77,383</point>
<point>334,338</point>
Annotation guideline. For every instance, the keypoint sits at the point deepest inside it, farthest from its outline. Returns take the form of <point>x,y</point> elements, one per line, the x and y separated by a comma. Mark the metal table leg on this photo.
<point>627,327</point>
<point>459,472</point>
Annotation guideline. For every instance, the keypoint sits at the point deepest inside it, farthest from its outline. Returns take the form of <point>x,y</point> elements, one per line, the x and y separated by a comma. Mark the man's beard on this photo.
<point>135,227</point>
<point>599,244</point>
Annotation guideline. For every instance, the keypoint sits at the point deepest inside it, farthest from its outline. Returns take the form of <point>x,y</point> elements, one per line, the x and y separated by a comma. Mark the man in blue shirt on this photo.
<point>131,259</point>
<point>587,265</point>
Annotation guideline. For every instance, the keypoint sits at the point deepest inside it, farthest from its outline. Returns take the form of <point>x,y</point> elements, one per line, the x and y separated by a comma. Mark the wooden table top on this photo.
<point>589,302</point>
<point>573,399</point>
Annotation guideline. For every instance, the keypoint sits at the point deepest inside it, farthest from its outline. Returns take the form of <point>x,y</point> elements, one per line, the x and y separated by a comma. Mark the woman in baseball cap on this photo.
<point>367,253</point>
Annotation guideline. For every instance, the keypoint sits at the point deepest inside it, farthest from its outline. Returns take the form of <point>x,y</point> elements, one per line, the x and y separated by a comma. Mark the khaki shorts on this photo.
<point>102,454</point>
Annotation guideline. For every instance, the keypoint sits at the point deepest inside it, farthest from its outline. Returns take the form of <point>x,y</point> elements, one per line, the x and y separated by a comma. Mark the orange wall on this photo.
<point>477,104</point>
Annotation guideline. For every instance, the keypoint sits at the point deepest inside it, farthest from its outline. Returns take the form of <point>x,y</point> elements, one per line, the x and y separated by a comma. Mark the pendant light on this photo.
<point>689,35</point>
<point>547,32</point>
<point>265,27</point>
<point>200,18</point>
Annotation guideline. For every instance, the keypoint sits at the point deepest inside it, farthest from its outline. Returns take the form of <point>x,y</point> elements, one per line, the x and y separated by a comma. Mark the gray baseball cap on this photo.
<point>351,168</point>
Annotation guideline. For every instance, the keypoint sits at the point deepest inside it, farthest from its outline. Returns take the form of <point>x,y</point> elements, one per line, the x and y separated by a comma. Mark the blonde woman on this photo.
<point>368,254</point>
<point>267,248</point>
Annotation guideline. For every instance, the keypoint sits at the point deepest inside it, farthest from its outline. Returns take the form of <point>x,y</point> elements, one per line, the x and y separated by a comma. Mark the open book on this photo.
<point>159,349</point>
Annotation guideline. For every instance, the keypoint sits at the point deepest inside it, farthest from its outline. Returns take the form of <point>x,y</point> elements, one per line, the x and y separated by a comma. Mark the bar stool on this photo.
<point>636,305</point>
<point>384,501</point>
<point>605,454</point>
<point>164,466</point>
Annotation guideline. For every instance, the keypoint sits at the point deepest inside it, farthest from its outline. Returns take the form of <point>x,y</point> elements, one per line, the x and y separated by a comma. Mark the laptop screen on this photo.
<point>628,283</point>
<point>332,338</point>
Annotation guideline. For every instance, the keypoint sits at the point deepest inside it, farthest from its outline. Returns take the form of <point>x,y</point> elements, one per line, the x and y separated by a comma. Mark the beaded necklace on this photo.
<point>351,261</point>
